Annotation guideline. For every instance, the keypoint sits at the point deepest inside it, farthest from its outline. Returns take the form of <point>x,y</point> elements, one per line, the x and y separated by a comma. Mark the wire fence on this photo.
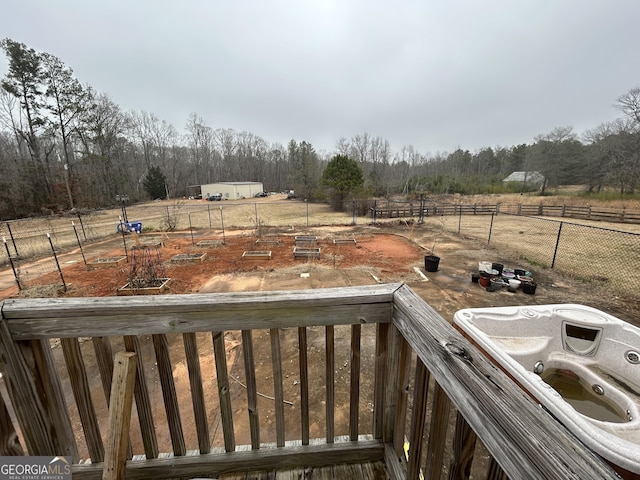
<point>603,256</point>
<point>31,246</point>
<point>606,257</point>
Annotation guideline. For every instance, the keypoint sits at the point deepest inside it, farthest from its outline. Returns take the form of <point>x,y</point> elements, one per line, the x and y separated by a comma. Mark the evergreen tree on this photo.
<point>344,177</point>
<point>155,183</point>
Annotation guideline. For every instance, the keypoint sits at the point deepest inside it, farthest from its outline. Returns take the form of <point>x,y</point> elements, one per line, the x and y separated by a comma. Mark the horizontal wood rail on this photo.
<point>398,384</point>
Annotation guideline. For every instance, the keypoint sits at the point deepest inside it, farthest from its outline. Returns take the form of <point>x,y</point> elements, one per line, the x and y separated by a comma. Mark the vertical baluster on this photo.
<point>169,395</point>
<point>252,391</point>
<point>224,394</point>
<point>402,398</point>
<point>437,433</point>
<point>82,395</point>
<point>54,398</point>
<point>330,368</point>
<point>354,410</point>
<point>143,402</point>
<point>197,393</point>
<point>495,472</point>
<point>390,375</point>
<point>464,445</point>
<point>276,363</point>
<point>304,384</point>
<point>379,385</point>
<point>419,410</point>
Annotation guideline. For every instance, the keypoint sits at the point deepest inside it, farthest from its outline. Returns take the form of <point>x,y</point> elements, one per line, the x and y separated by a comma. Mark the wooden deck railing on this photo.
<point>398,370</point>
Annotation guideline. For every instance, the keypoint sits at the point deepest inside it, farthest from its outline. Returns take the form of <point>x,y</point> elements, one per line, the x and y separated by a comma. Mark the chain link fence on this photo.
<point>606,257</point>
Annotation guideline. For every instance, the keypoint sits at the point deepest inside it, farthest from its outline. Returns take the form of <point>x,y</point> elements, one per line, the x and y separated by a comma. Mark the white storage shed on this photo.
<point>232,190</point>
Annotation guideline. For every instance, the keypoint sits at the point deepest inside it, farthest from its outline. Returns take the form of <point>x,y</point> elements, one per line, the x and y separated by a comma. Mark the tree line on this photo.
<point>64,145</point>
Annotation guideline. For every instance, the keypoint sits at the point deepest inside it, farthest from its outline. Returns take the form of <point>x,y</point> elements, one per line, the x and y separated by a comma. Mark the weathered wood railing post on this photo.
<point>119,416</point>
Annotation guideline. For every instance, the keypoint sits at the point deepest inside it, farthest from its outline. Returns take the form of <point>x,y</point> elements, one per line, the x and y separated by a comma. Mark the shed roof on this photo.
<point>236,183</point>
<point>526,176</point>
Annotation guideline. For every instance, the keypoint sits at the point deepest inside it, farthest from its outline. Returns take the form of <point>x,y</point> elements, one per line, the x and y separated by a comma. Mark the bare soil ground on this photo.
<point>392,252</point>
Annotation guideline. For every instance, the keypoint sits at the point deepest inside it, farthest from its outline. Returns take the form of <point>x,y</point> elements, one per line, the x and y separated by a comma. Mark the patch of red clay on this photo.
<point>388,253</point>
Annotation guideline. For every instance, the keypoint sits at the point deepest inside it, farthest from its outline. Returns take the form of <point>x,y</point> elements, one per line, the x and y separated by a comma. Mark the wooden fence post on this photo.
<point>124,378</point>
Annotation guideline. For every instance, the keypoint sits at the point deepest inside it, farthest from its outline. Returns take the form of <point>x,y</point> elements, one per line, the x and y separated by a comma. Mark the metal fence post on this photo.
<point>555,250</point>
<point>53,251</point>
<point>13,240</point>
<point>209,213</point>
<point>190,228</point>
<point>124,240</point>
<point>222,223</point>
<point>460,219</point>
<point>82,226</point>
<point>79,244</point>
<point>255,206</point>
<point>15,273</point>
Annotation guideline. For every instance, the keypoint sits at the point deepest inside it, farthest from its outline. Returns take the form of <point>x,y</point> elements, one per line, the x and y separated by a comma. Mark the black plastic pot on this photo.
<point>529,287</point>
<point>431,263</point>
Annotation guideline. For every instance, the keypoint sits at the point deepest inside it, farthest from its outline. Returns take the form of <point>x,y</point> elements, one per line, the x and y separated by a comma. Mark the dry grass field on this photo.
<point>599,255</point>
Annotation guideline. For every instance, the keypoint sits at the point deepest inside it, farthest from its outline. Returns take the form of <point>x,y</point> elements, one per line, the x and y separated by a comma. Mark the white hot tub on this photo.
<point>582,364</point>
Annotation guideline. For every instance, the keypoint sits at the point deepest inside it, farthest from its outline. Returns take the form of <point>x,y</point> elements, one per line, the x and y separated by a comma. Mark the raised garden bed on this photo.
<point>268,241</point>
<point>103,262</point>
<point>299,252</point>
<point>257,254</point>
<point>188,257</point>
<point>210,243</point>
<point>153,242</point>
<point>306,239</point>
<point>344,241</point>
<point>141,287</point>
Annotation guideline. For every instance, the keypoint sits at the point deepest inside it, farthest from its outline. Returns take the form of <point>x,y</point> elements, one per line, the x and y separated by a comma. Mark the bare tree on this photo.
<point>629,104</point>
<point>360,145</point>
<point>102,131</point>
<point>200,141</point>
<point>343,146</point>
<point>66,101</point>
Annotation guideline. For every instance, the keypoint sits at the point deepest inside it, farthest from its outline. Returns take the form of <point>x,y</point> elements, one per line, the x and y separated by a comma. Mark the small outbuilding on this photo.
<point>232,190</point>
<point>528,179</point>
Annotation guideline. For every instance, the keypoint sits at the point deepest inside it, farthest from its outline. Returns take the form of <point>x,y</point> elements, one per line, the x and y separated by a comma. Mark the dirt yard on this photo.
<point>367,255</point>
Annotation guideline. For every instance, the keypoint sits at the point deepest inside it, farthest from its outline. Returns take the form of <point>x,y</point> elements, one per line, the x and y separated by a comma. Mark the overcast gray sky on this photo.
<point>437,75</point>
